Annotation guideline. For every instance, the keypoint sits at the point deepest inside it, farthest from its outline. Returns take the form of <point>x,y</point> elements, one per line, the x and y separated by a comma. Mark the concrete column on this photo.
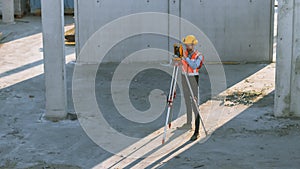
<point>295,81</point>
<point>7,11</point>
<point>54,59</point>
<point>287,94</point>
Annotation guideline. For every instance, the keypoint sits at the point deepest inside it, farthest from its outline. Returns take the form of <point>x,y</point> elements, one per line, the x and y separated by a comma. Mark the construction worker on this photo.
<point>191,62</point>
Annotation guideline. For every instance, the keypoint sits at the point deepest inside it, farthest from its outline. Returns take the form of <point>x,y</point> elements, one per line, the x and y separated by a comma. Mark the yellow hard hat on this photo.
<point>190,39</point>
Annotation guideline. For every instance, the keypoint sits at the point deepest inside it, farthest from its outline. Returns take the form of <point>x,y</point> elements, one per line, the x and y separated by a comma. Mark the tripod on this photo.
<point>172,94</point>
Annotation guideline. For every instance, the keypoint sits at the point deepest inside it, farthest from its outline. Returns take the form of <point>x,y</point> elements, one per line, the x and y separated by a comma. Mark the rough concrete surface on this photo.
<point>242,135</point>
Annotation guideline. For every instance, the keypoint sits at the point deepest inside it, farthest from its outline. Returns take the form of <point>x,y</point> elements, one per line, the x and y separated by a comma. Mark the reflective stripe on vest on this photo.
<point>186,68</point>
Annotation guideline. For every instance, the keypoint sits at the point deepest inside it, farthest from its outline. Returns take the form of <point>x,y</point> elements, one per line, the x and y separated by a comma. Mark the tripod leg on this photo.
<point>173,95</point>
<point>170,100</point>
<point>165,128</point>
<point>195,102</point>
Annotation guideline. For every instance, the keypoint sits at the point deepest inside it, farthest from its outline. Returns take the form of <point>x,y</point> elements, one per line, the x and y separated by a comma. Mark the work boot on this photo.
<point>186,126</point>
<point>194,137</point>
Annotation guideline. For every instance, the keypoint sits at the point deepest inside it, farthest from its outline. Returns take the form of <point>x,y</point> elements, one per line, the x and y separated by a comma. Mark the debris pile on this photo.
<point>241,97</point>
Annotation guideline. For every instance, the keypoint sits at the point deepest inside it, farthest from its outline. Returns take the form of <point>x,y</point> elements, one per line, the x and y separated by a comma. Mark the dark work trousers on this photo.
<point>190,106</point>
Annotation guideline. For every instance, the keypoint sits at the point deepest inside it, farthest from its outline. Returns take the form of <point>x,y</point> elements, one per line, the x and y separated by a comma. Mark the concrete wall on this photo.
<point>92,15</point>
<point>287,93</point>
<point>19,7</point>
<point>241,30</point>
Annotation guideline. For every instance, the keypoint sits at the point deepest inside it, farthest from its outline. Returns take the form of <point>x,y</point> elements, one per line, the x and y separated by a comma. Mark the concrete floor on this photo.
<point>241,136</point>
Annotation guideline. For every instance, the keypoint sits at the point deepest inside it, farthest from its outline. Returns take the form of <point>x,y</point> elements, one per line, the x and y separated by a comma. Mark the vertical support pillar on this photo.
<point>76,15</point>
<point>288,60</point>
<point>7,11</point>
<point>295,81</point>
<point>54,59</point>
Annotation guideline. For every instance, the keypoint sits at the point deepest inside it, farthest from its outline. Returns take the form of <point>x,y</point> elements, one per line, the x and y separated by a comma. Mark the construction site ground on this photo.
<point>243,132</point>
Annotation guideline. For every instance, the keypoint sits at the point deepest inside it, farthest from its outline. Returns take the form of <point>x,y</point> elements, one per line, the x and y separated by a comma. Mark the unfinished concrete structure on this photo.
<point>54,59</point>
<point>7,11</point>
<point>287,94</point>
<point>240,30</point>
<point>241,132</point>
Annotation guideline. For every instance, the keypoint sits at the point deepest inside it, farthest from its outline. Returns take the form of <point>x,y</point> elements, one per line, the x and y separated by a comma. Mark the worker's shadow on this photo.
<point>175,135</point>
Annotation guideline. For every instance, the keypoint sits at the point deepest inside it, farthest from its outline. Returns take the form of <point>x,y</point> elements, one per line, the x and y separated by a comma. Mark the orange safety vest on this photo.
<point>186,68</point>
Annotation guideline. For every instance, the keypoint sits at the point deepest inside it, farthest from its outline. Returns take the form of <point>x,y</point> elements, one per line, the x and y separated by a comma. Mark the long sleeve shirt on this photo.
<point>194,63</point>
